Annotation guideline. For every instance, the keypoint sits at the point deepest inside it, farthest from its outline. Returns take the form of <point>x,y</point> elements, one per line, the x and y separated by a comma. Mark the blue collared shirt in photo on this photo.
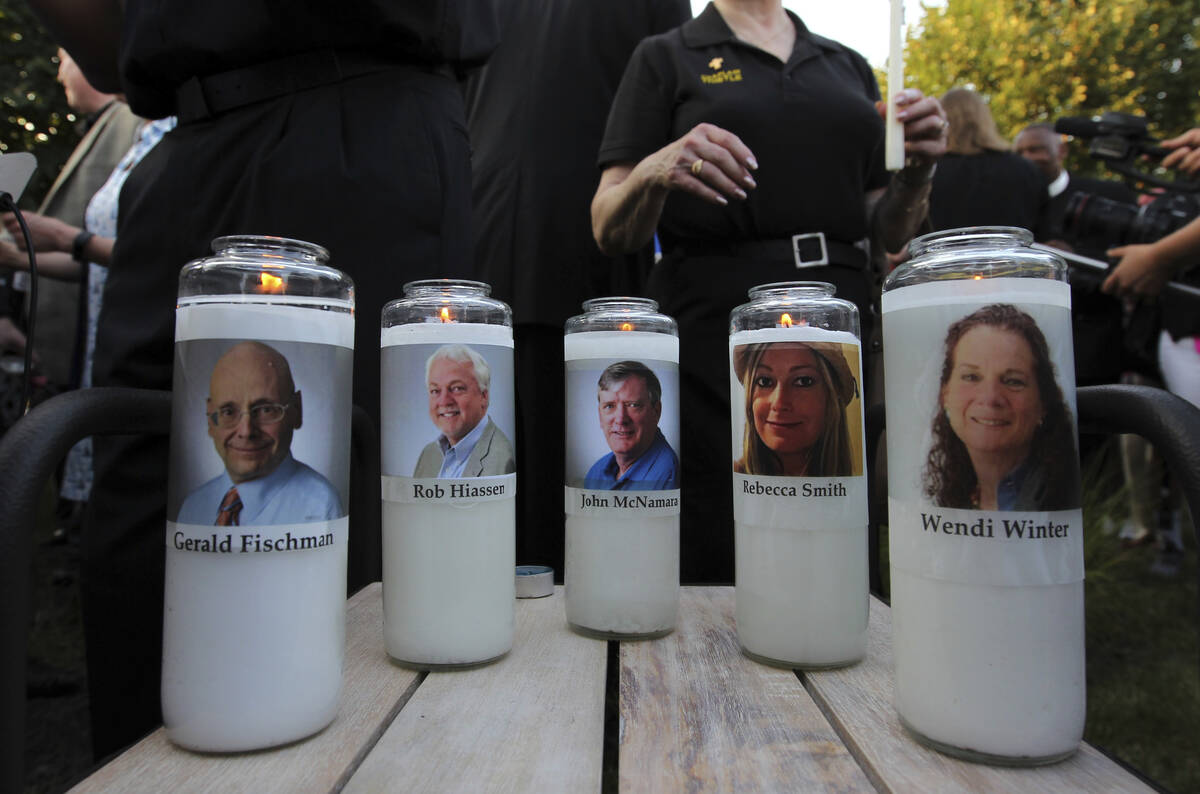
<point>656,470</point>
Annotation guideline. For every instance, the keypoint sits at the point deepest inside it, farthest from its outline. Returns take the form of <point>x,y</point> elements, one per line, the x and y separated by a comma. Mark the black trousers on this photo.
<point>700,293</point>
<point>377,170</point>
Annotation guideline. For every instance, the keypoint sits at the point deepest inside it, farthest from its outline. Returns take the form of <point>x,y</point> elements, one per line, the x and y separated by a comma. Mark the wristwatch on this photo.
<point>81,241</point>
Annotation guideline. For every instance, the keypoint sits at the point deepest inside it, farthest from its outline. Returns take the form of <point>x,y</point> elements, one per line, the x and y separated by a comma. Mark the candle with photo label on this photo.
<point>985,529</point>
<point>449,482</point>
<point>622,489</point>
<point>799,487</point>
<point>255,590</point>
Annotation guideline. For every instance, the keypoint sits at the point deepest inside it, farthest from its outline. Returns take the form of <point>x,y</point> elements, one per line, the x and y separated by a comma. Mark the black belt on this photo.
<point>813,249</point>
<point>205,97</point>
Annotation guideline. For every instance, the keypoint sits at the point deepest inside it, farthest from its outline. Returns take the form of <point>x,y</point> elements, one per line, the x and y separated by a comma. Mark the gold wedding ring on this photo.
<point>697,167</point>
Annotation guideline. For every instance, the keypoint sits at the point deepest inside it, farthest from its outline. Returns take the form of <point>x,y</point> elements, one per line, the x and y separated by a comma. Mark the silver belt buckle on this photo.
<point>801,262</point>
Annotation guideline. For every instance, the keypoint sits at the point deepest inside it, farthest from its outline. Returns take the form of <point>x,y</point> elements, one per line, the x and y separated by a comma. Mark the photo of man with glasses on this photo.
<point>253,408</point>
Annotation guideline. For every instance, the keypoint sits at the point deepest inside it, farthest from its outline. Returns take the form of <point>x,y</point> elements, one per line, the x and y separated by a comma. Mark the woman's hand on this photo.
<point>48,234</point>
<point>708,162</point>
<point>925,126</point>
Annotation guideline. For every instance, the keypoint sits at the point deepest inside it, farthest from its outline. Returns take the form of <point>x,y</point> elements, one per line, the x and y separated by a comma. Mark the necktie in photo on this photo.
<point>231,505</point>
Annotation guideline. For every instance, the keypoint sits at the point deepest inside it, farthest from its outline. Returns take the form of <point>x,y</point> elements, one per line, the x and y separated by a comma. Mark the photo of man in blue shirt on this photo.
<point>253,409</point>
<point>630,405</point>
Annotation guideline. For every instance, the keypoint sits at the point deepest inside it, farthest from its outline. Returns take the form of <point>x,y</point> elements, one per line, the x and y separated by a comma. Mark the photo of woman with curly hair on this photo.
<point>1003,430</point>
<point>795,409</point>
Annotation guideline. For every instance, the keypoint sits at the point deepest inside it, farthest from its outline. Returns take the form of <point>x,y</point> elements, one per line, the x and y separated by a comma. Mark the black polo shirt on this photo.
<point>165,42</point>
<point>811,124</point>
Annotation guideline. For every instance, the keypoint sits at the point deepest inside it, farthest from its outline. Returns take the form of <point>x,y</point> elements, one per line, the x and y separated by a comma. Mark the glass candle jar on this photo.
<point>799,488</point>
<point>255,594</point>
<point>622,469</point>
<point>985,528</point>
<point>449,482</point>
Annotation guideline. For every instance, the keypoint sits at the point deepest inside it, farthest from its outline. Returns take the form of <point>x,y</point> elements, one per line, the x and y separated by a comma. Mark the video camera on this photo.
<point>1120,140</point>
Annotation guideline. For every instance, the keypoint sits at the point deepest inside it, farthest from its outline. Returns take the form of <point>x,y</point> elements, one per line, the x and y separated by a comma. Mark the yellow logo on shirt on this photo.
<point>724,76</point>
<point>715,63</point>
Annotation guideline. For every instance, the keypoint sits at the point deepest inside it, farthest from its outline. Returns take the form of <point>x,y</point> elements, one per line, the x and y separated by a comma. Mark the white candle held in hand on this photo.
<point>894,141</point>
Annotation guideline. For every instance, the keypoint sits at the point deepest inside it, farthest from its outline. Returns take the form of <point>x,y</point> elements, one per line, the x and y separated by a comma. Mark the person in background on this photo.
<point>340,124</point>
<point>72,254</point>
<point>536,114</point>
<point>1096,318</point>
<point>980,182</point>
<point>1046,150</point>
<point>1142,271</point>
<point>754,149</point>
<point>108,128</point>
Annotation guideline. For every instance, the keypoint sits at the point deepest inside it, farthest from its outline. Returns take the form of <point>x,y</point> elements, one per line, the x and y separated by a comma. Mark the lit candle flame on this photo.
<point>445,314</point>
<point>626,326</point>
<point>271,283</point>
<point>977,278</point>
<point>786,320</point>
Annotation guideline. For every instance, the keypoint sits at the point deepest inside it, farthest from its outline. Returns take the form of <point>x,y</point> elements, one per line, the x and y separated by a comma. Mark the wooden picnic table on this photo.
<point>694,715</point>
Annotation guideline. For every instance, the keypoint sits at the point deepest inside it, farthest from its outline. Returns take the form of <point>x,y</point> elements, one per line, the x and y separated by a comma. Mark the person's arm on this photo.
<point>53,264</point>
<point>91,31</point>
<point>50,235</point>
<point>1145,269</point>
<point>897,211</point>
<point>708,162</point>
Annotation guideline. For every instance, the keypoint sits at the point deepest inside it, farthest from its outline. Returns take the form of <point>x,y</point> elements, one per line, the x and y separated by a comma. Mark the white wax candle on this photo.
<point>252,645</point>
<point>894,137</point>
<point>990,670</point>
<point>622,577</point>
<point>622,569</point>
<point>801,598</point>
<point>801,561</point>
<point>448,583</point>
<point>253,640</point>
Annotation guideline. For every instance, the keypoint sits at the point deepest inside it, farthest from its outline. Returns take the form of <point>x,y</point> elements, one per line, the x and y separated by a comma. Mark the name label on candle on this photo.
<point>986,546</point>
<point>800,503</point>
<point>265,539</point>
<point>425,490</point>
<point>983,484</point>
<point>615,504</point>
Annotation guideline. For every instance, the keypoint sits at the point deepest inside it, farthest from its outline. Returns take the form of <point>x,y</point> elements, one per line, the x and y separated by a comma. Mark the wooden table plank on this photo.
<point>533,721</point>
<point>858,701</point>
<point>373,691</point>
<point>697,715</point>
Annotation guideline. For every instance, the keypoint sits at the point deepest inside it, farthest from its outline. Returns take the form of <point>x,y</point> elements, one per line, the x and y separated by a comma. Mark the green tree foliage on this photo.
<point>1038,60</point>
<point>34,116</point>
